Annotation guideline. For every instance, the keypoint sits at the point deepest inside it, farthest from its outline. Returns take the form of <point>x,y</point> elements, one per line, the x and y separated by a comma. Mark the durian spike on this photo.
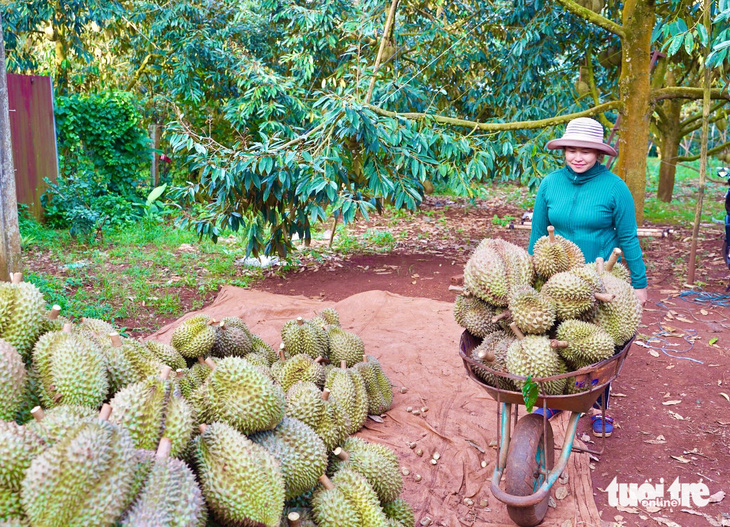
<point>55,311</point>
<point>551,233</point>
<point>38,413</point>
<point>105,412</point>
<point>163,449</point>
<point>282,355</point>
<point>326,483</point>
<point>319,359</point>
<point>294,520</point>
<point>67,327</point>
<point>343,364</point>
<point>210,363</point>
<point>343,455</point>
<point>202,428</point>
<point>486,355</point>
<point>325,394</point>
<point>517,331</point>
<point>504,314</point>
<point>559,343</point>
<point>600,267</point>
<point>300,321</point>
<point>613,259</point>
<point>116,339</point>
<point>16,278</point>
<point>604,297</point>
<point>165,371</point>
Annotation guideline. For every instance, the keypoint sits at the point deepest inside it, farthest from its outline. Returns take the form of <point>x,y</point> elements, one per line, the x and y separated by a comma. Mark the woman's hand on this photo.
<point>641,295</point>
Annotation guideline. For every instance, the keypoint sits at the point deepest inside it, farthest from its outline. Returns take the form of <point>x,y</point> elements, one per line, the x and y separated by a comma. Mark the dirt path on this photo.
<point>672,400</point>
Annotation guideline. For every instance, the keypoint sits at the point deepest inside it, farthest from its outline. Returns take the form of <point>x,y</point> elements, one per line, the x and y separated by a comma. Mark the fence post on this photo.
<point>9,232</point>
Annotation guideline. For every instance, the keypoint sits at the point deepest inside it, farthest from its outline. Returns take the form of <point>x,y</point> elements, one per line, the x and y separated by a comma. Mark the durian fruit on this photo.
<point>495,268</point>
<point>52,425</point>
<point>376,462</point>
<point>554,254</point>
<point>400,511</point>
<point>53,320</point>
<point>299,336</point>
<point>316,408</point>
<point>84,479</point>
<point>71,370</point>
<point>298,518</point>
<point>166,354</point>
<point>194,337</point>
<point>232,338</point>
<point>149,409</point>
<point>170,496</point>
<point>532,312</point>
<point>620,317</point>
<point>300,368</point>
<point>96,330</point>
<point>127,362</point>
<point>583,343</point>
<point>299,451</point>
<point>532,355</point>
<point>331,316</point>
<point>345,345</point>
<point>22,314</point>
<point>18,447</point>
<point>574,295</point>
<point>348,499</point>
<point>262,348</point>
<point>189,380</point>
<point>242,482</point>
<point>492,352</point>
<point>13,379</point>
<point>616,268</point>
<point>380,391</point>
<point>242,396</point>
<point>348,388</point>
<point>474,315</point>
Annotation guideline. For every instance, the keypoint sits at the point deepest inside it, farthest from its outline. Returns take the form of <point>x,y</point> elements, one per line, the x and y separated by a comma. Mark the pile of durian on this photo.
<point>544,314</point>
<point>215,429</point>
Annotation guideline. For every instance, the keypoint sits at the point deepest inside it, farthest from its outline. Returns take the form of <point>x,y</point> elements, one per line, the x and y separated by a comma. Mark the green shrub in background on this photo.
<point>103,156</point>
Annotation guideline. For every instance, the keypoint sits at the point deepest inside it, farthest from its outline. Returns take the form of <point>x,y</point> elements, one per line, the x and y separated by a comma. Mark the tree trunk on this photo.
<point>634,84</point>
<point>670,139</point>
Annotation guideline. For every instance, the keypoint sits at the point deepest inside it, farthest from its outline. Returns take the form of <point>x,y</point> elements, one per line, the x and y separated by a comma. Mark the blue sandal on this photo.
<point>598,423</point>
<point>548,412</point>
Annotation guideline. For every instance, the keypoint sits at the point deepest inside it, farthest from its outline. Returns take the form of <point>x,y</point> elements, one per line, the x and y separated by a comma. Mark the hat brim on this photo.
<point>601,147</point>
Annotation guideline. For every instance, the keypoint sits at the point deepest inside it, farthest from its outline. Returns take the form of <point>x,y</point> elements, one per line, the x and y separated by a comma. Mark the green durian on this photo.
<point>232,338</point>
<point>96,330</point>
<point>533,356</point>
<point>621,316</point>
<point>166,354</point>
<point>127,362</point>
<point>586,343</point>
<point>348,388</point>
<point>532,312</point>
<point>24,315</point>
<point>376,462</point>
<point>474,315</point>
<point>13,380</point>
<point>380,391</point>
<point>19,445</point>
<point>345,345</point>
<point>496,343</point>
<point>495,268</point>
<point>554,254</point>
<point>300,337</point>
<point>400,511</point>
<point>574,294</point>
<point>300,368</point>
<point>53,424</point>
<point>347,500</point>
<point>319,410</point>
<point>194,337</point>
<point>260,347</point>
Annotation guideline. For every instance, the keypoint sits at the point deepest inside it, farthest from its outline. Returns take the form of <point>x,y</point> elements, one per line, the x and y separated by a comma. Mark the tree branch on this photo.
<point>710,152</point>
<point>683,92</point>
<point>697,116</point>
<point>386,36</point>
<point>594,18</point>
<point>594,90</point>
<point>497,127</point>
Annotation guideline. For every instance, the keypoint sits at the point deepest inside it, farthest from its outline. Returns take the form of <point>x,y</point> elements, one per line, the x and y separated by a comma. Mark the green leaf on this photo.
<point>530,391</point>
<point>155,194</point>
<point>712,341</point>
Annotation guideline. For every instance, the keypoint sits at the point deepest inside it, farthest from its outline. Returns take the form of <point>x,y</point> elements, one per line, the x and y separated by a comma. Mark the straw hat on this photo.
<point>583,132</point>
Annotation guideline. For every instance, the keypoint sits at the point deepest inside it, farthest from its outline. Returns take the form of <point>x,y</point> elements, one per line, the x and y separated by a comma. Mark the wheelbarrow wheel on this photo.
<point>530,457</point>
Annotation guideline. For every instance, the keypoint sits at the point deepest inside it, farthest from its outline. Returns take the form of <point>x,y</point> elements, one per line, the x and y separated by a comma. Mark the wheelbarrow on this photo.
<point>526,448</point>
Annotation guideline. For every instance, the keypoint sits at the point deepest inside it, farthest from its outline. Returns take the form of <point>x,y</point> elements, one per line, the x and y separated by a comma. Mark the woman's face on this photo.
<point>580,159</point>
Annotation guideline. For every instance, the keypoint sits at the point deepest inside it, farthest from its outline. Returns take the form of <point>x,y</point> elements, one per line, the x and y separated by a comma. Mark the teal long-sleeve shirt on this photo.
<point>595,211</point>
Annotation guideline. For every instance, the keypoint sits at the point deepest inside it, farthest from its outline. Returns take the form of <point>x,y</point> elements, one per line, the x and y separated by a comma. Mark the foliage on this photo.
<point>102,154</point>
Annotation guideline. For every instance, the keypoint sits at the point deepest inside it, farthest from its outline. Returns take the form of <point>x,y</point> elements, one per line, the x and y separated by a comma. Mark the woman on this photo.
<point>593,208</point>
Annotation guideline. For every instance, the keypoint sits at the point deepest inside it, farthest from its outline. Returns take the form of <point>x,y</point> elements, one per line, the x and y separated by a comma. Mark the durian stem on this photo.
<point>222,325</point>
<point>300,321</point>
<point>212,322</point>
<point>282,355</point>
<point>600,267</point>
<point>67,327</point>
<point>604,297</point>
<point>319,359</point>
<point>180,373</point>
<point>343,364</point>
<point>55,311</point>
<point>38,413</point>
<point>202,428</point>
<point>16,278</point>
<point>559,343</point>
<point>105,412</point>
<point>165,371</point>
<point>504,314</point>
<point>486,355</point>
<point>344,456</point>
<point>517,331</point>
<point>613,259</point>
<point>116,339</point>
<point>294,520</point>
<point>210,363</point>
<point>325,394</point>
<point>551,233</point>
<point>201,360</point>
<point>163,449</point>
<point>326,482</point>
